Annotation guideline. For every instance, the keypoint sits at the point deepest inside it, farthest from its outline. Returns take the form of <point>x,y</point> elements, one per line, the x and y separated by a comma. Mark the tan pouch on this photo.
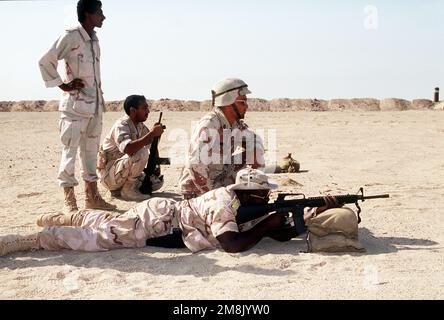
<point>335,230</point>
<point>101,159</point>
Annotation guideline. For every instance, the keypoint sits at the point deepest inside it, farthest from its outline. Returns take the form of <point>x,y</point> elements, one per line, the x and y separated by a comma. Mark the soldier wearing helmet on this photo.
<point>221,143</point>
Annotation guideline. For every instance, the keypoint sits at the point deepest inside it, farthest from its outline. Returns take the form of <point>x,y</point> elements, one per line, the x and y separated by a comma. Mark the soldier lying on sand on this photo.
<point>206,222</point>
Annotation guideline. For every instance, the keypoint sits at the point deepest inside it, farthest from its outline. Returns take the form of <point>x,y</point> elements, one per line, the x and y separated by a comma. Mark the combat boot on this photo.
<point>70,203</point>
<point>114,194</point>
<point>55,220</point>
<point>130,191</point>
<point>93,199</point>
<point>15,243</point>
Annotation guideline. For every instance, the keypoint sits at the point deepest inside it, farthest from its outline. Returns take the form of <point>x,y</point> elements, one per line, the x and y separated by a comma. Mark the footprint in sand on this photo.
<point>29,195</point>
<point>318,265</point>
<point>284,264</point>
<point>290,183</point>
<point>373,184</point>
<point>69,278</point>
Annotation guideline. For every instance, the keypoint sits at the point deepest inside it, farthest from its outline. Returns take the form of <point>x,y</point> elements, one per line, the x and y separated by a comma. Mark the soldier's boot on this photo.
<point>70,202</point>
<point>115,193</point>
<point>15,243</point>
<point>130,191</point>
<point>55,220</point>
<point>93,199</point>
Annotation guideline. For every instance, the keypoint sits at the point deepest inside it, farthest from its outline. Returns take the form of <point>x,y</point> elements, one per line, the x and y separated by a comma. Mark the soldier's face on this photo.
<point>142,112</point>
<point>96,18</point>
<point>242,105</point>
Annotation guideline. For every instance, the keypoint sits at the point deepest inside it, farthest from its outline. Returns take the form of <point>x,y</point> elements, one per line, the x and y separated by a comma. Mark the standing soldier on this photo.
<point>82,103</point>
<point>217,152</point>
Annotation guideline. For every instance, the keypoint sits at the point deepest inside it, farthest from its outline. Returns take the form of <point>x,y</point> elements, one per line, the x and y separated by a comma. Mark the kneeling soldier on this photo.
<point>125,151</point>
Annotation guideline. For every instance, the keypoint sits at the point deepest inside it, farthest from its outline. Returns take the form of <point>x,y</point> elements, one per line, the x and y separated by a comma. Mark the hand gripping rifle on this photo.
<point>153,165</point>
<point>296,207</point>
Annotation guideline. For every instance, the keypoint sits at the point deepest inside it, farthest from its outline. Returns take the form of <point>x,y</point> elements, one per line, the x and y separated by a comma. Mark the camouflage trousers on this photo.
<point>75,133</point>
<point>117,172</point>
<point>102,231</point>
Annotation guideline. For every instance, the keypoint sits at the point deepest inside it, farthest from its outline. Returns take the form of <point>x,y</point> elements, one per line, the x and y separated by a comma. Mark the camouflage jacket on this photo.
<point>81,55</point>
<point>206,217</point>
<point>121,134</point>
<point>215,153</point>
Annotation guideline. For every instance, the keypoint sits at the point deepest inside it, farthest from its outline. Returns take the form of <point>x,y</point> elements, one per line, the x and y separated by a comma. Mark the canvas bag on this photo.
<point>334,230</point>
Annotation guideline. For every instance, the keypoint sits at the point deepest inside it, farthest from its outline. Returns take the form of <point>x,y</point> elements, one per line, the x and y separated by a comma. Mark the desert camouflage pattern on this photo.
<point>78,133</point>
<point>204,218</point>
<point>102,231</point>
<point>81,55</point>
<point>81,110</point>
<point>213,156</point>
<point>114,166</point>
<point>201,220</point>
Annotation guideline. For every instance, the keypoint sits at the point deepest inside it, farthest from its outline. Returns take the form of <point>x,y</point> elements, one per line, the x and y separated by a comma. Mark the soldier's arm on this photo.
<point>49,61</point>
<point>234,242</point>
<point>256,146</point>
<point>259,154</point>
<point>134,146</point>
<point>201,141</point>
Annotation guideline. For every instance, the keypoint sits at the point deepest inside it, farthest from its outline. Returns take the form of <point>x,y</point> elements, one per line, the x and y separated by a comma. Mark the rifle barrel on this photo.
<point>377,196</point>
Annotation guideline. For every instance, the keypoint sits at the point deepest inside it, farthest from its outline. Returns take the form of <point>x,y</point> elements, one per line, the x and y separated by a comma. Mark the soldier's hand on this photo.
<point>283,234</point>
<point>277,220</point>
<point>157,130</point>
<point>330,202</point>
<point>75,84</point>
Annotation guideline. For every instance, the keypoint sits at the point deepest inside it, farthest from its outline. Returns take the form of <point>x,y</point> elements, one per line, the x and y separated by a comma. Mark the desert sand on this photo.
<point>395,152</point>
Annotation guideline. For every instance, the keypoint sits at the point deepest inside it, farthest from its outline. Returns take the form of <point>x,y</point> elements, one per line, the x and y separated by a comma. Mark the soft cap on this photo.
<point>253,179</point>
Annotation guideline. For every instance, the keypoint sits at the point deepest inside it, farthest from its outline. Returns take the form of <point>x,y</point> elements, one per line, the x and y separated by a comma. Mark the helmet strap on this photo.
<point>236,111</point>
<point>214,95</point>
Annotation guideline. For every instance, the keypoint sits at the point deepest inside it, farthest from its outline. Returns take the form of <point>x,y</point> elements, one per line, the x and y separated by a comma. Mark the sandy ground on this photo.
<point>400,153</point>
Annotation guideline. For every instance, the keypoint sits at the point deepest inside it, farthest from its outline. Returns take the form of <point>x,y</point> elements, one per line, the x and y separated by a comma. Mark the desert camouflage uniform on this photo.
<point>210,161</point>
<point>201,219</point>
<point>114,166</point>
<point>81,110</point>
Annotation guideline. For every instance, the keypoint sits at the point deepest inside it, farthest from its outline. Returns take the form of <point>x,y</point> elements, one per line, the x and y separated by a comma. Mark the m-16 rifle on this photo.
<point>153,165</point>
<point>296,207</point>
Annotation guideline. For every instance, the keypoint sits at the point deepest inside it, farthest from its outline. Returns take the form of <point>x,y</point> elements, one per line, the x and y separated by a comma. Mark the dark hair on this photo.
<point>132,101</point>
<point>90,6</point>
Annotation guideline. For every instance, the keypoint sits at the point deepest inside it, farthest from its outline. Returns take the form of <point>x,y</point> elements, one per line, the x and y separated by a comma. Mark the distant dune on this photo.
<point>361,104</point>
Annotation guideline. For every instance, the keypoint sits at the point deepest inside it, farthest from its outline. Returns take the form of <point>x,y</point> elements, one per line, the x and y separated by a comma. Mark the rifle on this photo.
<point>296,207</point>
<point>153,165</point>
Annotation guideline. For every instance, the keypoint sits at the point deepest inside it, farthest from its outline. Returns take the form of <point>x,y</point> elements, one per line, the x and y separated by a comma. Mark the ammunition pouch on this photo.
<point>101,159</point>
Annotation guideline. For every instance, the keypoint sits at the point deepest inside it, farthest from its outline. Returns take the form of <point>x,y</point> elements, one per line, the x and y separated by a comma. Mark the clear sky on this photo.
<point>284,48</point>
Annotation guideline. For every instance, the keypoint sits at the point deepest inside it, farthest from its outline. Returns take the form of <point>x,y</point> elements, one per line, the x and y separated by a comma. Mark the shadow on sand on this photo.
<point>183,262</point>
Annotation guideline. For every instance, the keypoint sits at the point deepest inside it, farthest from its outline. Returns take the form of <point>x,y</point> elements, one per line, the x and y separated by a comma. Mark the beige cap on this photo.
<point>253,179</point>
<point>226,91</point>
